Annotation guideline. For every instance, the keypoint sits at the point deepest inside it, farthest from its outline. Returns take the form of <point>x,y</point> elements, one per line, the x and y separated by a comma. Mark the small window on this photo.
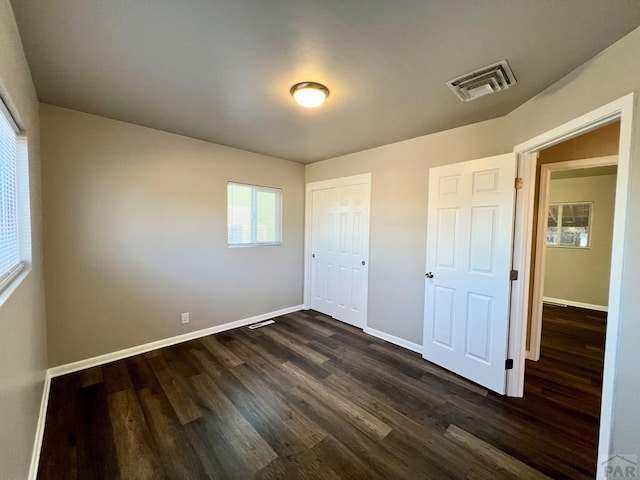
<point>11,221</point>
<point>569,225</point>
<point>254,215</point>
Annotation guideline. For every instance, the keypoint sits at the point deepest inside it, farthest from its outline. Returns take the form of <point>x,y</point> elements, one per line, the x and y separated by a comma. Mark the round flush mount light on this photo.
<point>309,94</point>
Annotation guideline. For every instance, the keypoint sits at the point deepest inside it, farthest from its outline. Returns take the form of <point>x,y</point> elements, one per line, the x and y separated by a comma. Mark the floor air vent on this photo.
<point>484,81</point>
<point>261,324</point>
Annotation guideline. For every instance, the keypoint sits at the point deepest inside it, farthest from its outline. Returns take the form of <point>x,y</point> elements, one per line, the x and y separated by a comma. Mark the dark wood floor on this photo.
<point>310,397</point>
<point>567,380</point>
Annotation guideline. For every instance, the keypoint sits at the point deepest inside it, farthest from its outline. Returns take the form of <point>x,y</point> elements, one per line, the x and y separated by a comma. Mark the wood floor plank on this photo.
<point>344,461</point>
<point>116,376</point>
<point>367,449</point>
<point>362,419</point>
<point>300,348</point>
<point>175,452</point>
<point>218,458</point>
<point>220,352</point>
<point>392,382</point>
<point>237,430</point>
<point>91,376</point>
<point>410,452</point>
<point>206,362</point>
<point>521,437</point>
<point>443,455</point>
<point>431,369</point>
<point>307,431</point>
<point>304,464</point>
<point>96,450</point>
<point>176,391</point>
<point>58,454</point>
<point>137,459</point>
<point>279,354</point>
<point>177,357</point>
<point>489,453</point>
<point>310,397</point>
<point>141,374</point>
<point>263,362</point>
<point>302,322</point>
<point>261,417</point>
<point>303,332</point>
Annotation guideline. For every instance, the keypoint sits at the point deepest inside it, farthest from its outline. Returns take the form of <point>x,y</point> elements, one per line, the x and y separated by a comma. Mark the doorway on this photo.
<point>337,248</point>
<point>621,110</point>
<point>570,278</point>
<point>569,177</point>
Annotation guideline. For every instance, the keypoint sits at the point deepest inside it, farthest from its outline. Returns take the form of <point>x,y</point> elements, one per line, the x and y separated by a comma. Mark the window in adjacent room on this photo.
<point>15,248</point>
<point>569,225</point>
<point>254,215</point>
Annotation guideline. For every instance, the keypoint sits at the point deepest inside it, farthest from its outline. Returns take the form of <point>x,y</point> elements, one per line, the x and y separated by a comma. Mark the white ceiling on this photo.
<point>221,70</point>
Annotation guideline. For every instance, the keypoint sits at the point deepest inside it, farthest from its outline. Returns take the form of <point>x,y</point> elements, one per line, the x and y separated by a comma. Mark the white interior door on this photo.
<point>339,251</point>
<point>469,242</point>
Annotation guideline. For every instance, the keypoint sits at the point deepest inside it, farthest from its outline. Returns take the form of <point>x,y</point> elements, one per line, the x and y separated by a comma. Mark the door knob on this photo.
<point>313,255</point>
<point>428,275</point>
<point>363,263</point>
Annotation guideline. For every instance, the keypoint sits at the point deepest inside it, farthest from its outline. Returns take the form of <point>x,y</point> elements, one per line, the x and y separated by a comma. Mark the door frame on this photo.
<point>364,178</point>
<point>537,301</point>
<point>622,109</point>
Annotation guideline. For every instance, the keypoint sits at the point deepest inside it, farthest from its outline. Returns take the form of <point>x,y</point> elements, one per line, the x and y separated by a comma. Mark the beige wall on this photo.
<point>23,350</point>
<point>611,75</point>
<point>601,142</point>
<point>576,274</point>
<point>113,193</point>
<point>397,252</point>
<point>400,185</point>
<point>136,233</point>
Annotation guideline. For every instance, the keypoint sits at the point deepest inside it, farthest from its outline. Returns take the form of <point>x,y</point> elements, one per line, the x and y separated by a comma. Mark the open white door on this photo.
<point>469,243</point>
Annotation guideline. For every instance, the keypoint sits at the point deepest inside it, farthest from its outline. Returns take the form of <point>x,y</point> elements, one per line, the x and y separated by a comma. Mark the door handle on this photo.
<point>428,275</point>
<point>313,255</point>
<point>363,263</point>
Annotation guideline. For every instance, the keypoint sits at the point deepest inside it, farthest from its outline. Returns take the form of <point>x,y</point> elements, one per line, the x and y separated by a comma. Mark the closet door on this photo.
<point>339,251</point>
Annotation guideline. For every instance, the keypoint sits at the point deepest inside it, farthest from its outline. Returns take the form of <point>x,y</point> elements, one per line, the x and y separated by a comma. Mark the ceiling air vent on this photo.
<point>490,79</point>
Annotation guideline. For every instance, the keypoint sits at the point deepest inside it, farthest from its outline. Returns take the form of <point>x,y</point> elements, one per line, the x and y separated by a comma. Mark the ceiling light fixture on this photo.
<point>309,94</point>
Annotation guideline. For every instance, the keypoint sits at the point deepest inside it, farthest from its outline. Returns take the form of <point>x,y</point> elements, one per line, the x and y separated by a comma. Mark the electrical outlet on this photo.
<point>184,318</point>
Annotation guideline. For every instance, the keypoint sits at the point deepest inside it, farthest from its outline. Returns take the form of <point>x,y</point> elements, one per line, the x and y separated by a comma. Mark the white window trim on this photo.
<point>8,277</point>
<point>255,189</point>
<point>11,280</point>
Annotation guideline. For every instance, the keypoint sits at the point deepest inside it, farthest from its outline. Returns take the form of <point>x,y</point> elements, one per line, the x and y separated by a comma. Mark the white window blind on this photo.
<point>254,215</point>
<point>10,262</point>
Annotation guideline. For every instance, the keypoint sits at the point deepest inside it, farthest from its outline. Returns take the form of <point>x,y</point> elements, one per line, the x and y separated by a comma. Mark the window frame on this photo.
<point>10,280</point>
<point>255,190</point>
<point>559,225</point>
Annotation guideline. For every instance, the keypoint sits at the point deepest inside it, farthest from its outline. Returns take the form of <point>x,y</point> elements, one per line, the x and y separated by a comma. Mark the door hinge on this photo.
<point>513,275</point>
<point>508,364</point>
<point>519,183</point>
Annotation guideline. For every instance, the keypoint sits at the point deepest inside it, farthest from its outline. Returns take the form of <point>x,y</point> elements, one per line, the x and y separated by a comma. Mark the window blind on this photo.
<point>9,236</point>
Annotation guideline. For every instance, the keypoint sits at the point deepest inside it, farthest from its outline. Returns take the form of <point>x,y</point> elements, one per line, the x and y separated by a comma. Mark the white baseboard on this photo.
<point>147,347</point>
<point>529,355</point>
<point>128,352</point>
<point>571,303</point>
<point>37,442</point>
<point>414,347</point>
